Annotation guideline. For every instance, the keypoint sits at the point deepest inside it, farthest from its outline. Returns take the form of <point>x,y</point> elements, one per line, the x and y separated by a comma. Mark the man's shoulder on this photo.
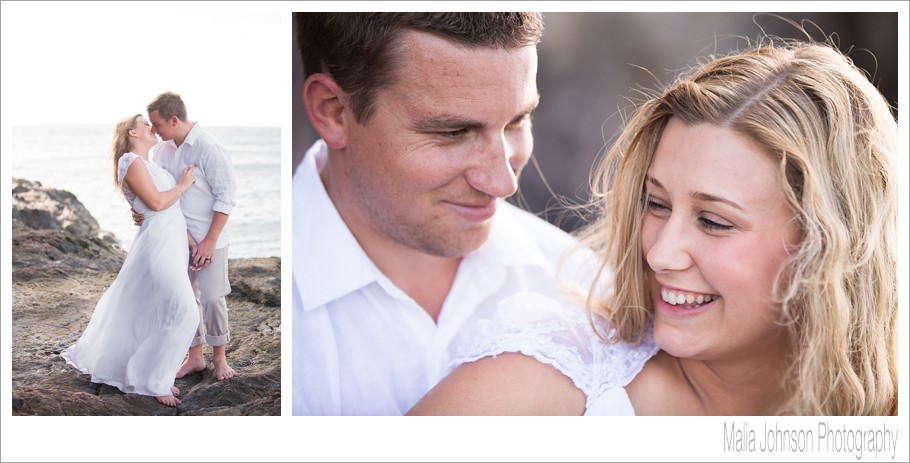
<point>535,239</point>
<point>210,141</point>
<point>210,151</point>
<point>205,140</point>
<point>533,226</point>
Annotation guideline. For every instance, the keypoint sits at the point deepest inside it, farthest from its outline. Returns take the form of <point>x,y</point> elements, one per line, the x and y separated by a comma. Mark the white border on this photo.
<point>288,438</point>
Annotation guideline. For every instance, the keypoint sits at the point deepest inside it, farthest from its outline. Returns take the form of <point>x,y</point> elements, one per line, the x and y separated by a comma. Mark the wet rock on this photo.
<point>62,264</point>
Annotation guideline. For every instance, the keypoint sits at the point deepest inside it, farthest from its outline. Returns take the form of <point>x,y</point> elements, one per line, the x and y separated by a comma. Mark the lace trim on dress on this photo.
<point>122,166</point>
<point>560,336</point>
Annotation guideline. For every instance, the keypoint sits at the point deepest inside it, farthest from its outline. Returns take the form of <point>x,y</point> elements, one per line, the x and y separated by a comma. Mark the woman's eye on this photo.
<point>714,226</point>
<point>657,207</point>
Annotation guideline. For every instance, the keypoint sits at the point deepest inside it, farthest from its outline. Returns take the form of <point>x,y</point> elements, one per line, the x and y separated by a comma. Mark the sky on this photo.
<point>94,64</point>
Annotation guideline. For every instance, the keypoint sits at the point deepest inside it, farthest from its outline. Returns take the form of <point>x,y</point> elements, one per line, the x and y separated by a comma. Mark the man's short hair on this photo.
<point>359,50</point>
<point>168,104</point>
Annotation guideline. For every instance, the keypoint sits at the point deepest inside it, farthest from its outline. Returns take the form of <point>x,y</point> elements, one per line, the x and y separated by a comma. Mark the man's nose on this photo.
<point>500,160</point>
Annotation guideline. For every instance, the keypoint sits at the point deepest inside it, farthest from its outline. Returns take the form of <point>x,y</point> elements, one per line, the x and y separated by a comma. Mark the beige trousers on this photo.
<point>211,285</point>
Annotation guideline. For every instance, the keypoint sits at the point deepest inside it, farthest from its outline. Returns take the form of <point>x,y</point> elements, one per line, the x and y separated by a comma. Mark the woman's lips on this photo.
<point>680,303</point>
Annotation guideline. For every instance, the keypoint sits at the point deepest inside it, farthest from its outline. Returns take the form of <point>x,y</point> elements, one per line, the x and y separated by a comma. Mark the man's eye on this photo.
<point>452,133</point>
<point>521,122</point>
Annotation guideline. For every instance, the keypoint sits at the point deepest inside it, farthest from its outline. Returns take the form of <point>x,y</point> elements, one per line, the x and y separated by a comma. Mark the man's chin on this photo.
<point>459,245</point>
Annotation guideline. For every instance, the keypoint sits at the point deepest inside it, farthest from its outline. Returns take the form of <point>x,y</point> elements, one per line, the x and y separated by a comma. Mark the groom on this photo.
<point>206,206</point>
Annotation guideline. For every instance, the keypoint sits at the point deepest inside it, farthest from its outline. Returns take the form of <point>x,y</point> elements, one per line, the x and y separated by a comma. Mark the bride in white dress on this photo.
<point>144,323</point>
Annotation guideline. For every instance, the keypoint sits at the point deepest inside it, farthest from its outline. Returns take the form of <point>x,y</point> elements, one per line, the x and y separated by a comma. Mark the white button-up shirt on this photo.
<point>215,184</point>
<point>361,346</point>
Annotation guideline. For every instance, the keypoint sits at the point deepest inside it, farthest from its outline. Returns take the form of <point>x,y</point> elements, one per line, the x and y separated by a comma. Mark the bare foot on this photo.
<point>168,400</point>
<point>175,392</point>
<point>223,371</point>
<point>190,365</point>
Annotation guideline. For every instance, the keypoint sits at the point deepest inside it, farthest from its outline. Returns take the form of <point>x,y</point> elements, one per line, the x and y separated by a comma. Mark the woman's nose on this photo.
<point>670,249</point>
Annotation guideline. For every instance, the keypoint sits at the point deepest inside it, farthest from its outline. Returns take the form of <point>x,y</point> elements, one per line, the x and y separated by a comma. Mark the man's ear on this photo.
<point>325,103</point>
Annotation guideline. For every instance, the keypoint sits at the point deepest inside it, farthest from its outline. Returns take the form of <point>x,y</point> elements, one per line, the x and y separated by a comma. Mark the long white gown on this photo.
<point>144,323</point>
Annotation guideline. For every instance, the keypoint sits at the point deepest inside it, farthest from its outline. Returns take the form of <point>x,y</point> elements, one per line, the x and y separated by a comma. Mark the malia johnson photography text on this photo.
<point>873,441</point>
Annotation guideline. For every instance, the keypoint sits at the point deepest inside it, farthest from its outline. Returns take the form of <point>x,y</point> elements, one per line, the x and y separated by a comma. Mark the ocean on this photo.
<point>77,159</point>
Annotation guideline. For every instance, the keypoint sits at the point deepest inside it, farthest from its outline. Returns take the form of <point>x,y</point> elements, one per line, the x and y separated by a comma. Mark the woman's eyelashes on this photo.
<point>707,221</point>
<point>657,206</point>
<point>714,225</point>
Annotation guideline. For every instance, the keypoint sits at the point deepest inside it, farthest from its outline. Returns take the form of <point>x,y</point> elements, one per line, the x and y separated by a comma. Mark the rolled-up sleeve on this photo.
<point>220,174</point>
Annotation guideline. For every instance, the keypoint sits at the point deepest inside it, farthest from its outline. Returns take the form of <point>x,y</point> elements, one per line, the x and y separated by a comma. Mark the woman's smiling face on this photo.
<point>715,232</point>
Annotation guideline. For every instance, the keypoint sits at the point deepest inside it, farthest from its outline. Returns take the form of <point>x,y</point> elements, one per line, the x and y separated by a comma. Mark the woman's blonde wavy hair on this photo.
<point>121,143</point>
<point>834,139</point>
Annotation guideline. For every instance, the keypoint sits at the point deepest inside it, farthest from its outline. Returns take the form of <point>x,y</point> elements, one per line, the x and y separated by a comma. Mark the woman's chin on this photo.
<point>678,342</point>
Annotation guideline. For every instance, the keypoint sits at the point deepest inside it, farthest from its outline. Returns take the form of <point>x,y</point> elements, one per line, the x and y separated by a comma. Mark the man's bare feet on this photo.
<point>190,365</point>
<point>170,400</point>
<point>223,371</point>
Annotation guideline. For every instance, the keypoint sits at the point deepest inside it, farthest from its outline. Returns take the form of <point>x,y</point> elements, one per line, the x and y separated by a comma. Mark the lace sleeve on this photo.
<point>556,335</point>
<point>123,165</point>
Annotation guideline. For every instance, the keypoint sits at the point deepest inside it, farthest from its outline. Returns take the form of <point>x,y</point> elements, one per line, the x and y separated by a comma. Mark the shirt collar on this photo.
<point>328,261</point>
<point>192,135</point>
<point>190,139</point>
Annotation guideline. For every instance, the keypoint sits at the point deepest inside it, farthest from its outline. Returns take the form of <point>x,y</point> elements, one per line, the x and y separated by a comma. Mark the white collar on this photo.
<point>325,250</point>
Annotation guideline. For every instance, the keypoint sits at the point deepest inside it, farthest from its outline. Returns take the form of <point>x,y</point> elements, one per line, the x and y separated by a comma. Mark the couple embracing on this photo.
<point>742,241</point>
<point>169,297</point>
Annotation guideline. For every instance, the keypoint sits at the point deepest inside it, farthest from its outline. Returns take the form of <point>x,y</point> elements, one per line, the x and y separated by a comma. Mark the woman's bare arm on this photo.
<point>138,180</point>
<point>510,384</point>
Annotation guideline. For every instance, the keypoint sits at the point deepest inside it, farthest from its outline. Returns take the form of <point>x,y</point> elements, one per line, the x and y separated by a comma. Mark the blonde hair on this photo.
<point>121,144</point>
<point>834,139</point>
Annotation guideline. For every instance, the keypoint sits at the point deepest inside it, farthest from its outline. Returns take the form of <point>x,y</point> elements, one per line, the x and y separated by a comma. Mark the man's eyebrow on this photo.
<point>447,122</point>
<point>531,107</point>
<point>527,110</point>
<point>444,122</point>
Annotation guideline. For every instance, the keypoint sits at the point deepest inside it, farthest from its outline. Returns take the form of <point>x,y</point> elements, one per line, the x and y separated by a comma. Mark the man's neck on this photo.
<point>424,277</point>
<point>183,129</point>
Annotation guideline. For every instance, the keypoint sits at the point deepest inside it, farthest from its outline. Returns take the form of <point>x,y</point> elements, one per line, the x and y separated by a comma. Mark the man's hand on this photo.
<point>202,255</point>
<point>137,217</point>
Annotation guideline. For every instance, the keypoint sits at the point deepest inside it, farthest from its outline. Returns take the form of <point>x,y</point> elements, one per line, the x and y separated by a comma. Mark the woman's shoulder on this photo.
<point>559,334</point>
<point>128,158</point>
<point>124,163</point>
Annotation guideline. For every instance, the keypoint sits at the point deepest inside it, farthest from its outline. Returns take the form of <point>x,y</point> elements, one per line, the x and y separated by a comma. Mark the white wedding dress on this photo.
<point>144,323</point>
<point>561,336</point>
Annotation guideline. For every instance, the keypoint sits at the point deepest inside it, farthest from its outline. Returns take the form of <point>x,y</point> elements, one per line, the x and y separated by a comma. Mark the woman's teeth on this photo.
<point>688,300</point>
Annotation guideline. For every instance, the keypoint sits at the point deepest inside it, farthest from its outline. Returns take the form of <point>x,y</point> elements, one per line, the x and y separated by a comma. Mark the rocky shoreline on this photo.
<point>61,265</point>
